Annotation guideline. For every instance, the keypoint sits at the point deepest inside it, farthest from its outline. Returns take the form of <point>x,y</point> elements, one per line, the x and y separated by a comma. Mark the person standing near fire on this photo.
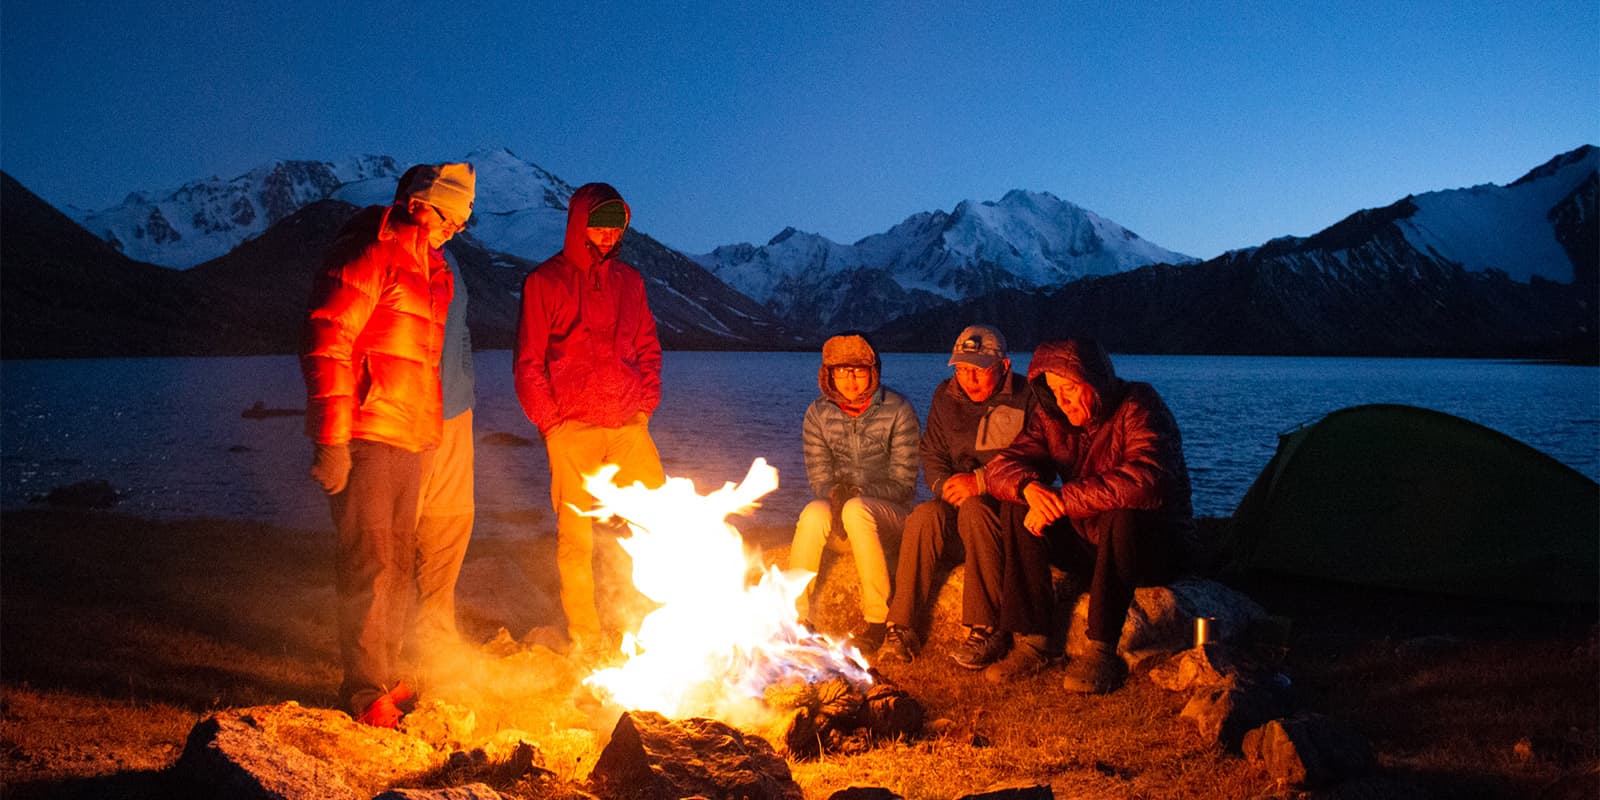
<point>446,509</point>
<point>973,415</point>
<point>860,440</point>
<point>587,368</point>
<point>1100,465</point>
<point>374,411</point>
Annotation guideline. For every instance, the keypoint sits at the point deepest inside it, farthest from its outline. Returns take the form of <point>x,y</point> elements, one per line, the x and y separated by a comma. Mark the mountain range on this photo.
<point>1488,270</point>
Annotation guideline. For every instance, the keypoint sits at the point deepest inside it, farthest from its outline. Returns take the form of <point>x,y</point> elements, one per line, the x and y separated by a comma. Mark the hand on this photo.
<point>959,488</point>
<point>1046,502</point>
<point>330,467</point>
<point>1035,522</point>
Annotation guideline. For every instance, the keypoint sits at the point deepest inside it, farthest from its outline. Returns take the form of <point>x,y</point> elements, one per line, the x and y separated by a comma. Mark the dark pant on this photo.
<point>376,520</point>
<point>1120,550</point>
<point>982,533</point>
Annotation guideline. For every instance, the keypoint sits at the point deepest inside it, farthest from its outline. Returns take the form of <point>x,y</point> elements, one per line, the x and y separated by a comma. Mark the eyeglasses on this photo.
<point>448,226</point>
<point>860,373</point>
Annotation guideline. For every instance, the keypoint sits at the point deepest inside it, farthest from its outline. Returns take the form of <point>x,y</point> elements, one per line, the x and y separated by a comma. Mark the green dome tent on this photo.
<point>1408,498</point>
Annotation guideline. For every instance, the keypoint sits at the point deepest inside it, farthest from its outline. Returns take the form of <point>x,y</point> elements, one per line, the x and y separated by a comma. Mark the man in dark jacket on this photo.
<point>587,366</point>
<point>974,414</point>
<point>374,411</point>
<point>1122,508</point>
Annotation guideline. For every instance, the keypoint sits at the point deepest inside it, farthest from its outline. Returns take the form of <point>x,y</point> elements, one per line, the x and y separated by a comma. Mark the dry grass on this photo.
<point>117,634</point>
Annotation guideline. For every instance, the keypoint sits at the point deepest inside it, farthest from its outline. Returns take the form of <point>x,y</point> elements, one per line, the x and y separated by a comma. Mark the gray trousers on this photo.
<point>939,535</point>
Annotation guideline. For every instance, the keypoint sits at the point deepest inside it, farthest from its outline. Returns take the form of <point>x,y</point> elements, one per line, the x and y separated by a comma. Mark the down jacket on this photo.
<point>374,334</point>
<point>1129,453</point>
<point>875,452</point>
<point>962,436</point>
<point>586,346</point>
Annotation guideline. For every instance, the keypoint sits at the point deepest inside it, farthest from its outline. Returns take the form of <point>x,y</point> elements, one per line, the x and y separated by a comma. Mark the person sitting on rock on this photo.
<point>860,439</point>
<point>974,414</point>
<point>1122,510</point>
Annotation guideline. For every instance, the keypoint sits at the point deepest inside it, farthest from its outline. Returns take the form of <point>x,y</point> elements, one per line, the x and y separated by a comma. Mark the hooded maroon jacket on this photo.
<point>1128,455</point>
<point>586,345</point>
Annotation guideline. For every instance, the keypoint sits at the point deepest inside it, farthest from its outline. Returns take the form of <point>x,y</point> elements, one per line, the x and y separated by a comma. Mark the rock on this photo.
<point>1224,715</point>
<point>864,793</point>
<point>1021,791</point>
<point>1161,619</point>
<point>651,757</point>
<point>1211,667</point>
<point>288,751</point>
<point>1309,750</point>
<point>472,791</point>
<point>94,493</point>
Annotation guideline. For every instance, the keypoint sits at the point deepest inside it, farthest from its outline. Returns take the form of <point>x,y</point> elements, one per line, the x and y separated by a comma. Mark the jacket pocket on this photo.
<point>999,427</point>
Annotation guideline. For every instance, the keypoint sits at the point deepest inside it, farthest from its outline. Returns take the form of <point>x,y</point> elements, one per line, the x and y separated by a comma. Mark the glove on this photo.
<point>837,496</point>
<point>331,467</point>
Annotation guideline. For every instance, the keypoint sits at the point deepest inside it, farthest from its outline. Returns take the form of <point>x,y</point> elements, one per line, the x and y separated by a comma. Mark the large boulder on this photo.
<point>289,751</point>
<point>653,758</point>
<point>1160,621</point>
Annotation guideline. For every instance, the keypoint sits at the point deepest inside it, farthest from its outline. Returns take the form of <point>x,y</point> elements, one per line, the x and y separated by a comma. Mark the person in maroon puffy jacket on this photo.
<point>587,366</point>
<point>1100,465</point>
<point>374,411</point>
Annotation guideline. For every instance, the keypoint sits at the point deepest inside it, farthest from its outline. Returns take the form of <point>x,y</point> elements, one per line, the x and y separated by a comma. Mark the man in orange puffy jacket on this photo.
<point>587,366</point>
<point>374,409</point>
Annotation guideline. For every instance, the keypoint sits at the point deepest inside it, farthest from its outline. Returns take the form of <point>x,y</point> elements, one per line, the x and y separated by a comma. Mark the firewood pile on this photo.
<point>839,715</point>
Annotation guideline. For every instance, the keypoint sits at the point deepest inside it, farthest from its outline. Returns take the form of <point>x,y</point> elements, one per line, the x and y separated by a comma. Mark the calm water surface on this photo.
<point>168,432</point>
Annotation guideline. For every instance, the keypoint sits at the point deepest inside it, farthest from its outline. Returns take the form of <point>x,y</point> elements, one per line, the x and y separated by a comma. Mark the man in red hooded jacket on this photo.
<point>1122,507</point>
<point>587,365</point>
<point>374,410</point>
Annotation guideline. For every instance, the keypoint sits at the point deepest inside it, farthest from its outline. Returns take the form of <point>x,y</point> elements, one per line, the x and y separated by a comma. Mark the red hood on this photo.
<point>1082,359</point>
<point>576,246</point>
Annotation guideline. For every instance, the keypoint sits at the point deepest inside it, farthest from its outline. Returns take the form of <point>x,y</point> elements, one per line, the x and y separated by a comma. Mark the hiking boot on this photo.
<point>900,645</point>
<point>1024,661</point>
<point>386,710</point>
<point>870,638</point>
<point>1098,671</point>
<point>982,648</point>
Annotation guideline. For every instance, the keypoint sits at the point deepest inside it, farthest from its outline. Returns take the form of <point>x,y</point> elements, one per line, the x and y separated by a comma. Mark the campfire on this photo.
<point>725,641</point>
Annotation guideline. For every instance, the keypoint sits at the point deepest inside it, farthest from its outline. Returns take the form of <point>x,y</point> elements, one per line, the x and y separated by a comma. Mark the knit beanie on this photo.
<point>447,187</point>
<point>610,214</point>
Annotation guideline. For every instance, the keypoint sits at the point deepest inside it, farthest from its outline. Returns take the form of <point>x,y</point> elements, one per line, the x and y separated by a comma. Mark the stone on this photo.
<point>1161,618</point>
<point>1210,667</point>
<point>288,751</point>
<point>471,791</point>
<point>653,758</point>
<point>1018,791</point>
<point>1224,715</point>
<point>94,493</point>
<point>864,793</point>
<point>1309,750</point>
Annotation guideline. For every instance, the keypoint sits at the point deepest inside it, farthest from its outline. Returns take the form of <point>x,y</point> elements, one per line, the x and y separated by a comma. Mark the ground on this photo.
<point>117,634</point>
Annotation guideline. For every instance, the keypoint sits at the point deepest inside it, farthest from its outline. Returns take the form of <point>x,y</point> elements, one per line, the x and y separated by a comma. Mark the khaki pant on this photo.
<point>868,521</point>
<point>376,521</point>
<point>577,449</point>
<point>444,527</point>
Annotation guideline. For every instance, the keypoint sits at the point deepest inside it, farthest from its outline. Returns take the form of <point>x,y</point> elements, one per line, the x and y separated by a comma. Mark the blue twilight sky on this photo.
<point>1200,126</point>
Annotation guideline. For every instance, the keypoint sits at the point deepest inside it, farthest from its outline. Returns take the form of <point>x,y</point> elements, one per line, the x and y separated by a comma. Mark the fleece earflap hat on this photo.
<point>979,345</point>
<point>447,187</point>
<point>846,350</point>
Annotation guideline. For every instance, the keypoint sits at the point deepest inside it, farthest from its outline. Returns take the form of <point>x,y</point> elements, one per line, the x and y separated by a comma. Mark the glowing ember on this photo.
<point>721,638</point>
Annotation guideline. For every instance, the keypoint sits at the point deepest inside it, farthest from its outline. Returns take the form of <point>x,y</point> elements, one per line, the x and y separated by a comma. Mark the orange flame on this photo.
<point>718,640</point>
